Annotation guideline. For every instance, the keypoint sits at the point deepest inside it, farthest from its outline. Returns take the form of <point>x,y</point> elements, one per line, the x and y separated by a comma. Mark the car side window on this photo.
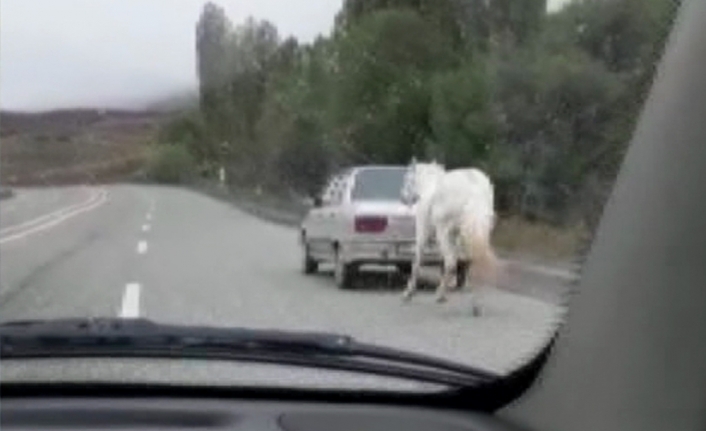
<point>329,195</point>
<point>335,190</point>
<point>337,198</point>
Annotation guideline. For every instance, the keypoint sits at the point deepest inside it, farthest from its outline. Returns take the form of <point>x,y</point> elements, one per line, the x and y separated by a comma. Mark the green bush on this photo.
<point>171,164</point>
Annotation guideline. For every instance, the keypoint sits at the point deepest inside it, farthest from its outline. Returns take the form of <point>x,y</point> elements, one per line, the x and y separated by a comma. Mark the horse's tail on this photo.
<point>476,231</point>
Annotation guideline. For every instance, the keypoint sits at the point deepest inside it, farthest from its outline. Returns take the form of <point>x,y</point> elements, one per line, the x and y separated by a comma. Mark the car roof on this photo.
<point>356,169</point>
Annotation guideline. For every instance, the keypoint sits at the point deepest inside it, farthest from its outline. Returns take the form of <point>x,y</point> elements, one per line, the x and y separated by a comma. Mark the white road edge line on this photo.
<point>544,270</point>
<point>52,223</point>
<point>142,247</point>
<point>130,308</point>
<point>146,228</point>
<point>149,216</point>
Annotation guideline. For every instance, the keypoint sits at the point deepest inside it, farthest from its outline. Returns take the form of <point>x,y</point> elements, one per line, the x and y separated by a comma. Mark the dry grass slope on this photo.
<point>73,146</point>
<point>515,235</point>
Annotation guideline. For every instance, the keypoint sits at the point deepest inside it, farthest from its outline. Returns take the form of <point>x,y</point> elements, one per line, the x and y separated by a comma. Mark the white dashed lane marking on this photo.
<point>130,308</point>
<point>142,247</point>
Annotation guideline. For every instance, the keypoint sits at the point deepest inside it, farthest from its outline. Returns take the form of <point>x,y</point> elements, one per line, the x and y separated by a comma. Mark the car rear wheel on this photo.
<point>343,273</point>
<point>405,269</point>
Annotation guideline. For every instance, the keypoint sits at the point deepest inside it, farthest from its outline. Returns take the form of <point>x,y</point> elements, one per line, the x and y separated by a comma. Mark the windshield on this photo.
<point>226,164</point>
<point>378,184</point>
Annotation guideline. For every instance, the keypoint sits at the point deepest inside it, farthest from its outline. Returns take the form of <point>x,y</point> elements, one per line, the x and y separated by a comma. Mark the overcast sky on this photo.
<point>67,53</point>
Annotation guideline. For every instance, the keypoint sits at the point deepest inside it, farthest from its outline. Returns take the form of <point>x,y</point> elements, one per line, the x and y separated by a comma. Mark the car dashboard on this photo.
<point>150,413</point>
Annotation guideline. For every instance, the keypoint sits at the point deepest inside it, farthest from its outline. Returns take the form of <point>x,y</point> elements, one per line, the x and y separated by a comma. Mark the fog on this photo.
<point>123,53</point>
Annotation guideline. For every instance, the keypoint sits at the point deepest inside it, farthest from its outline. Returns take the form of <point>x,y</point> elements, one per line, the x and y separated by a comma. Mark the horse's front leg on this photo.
<point>447,249</point>
<point>421,236</point>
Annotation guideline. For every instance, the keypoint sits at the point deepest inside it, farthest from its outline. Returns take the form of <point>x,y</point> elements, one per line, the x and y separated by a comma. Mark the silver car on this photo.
<point>360,219</point>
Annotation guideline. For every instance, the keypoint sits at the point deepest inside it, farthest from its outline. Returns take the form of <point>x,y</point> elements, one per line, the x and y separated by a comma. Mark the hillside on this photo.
<point>186,100</point>
<point>73,146</point>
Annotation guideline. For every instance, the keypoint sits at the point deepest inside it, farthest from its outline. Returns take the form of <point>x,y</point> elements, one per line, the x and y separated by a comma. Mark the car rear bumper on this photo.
<point>386,252</point>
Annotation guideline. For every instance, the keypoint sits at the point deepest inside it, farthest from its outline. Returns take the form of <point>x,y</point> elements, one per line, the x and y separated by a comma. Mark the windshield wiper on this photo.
<point>141,338</point>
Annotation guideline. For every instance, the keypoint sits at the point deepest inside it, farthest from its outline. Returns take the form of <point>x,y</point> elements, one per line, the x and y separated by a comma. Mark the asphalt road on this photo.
<point>28,204</point>
<point>177,256</point>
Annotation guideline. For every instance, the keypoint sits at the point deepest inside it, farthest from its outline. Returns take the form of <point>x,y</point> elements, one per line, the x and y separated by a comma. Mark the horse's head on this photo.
<point>420,177</point>
<point>409,195</point>
<point>427,174</point>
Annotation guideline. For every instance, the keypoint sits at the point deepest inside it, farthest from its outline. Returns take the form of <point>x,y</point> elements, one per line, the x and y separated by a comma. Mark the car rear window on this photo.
<point>378,184</point>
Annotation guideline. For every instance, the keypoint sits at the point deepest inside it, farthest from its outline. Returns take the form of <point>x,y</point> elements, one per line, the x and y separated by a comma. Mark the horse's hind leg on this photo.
<point>447,248</point>
<point>461,274</point>
<point>462,262</point>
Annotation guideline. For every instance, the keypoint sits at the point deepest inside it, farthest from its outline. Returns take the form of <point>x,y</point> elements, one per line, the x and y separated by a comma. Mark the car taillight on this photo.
<point>370,224</point>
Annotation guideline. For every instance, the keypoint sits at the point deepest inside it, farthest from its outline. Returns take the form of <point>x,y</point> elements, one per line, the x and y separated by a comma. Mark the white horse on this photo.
<point>457,208</point>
